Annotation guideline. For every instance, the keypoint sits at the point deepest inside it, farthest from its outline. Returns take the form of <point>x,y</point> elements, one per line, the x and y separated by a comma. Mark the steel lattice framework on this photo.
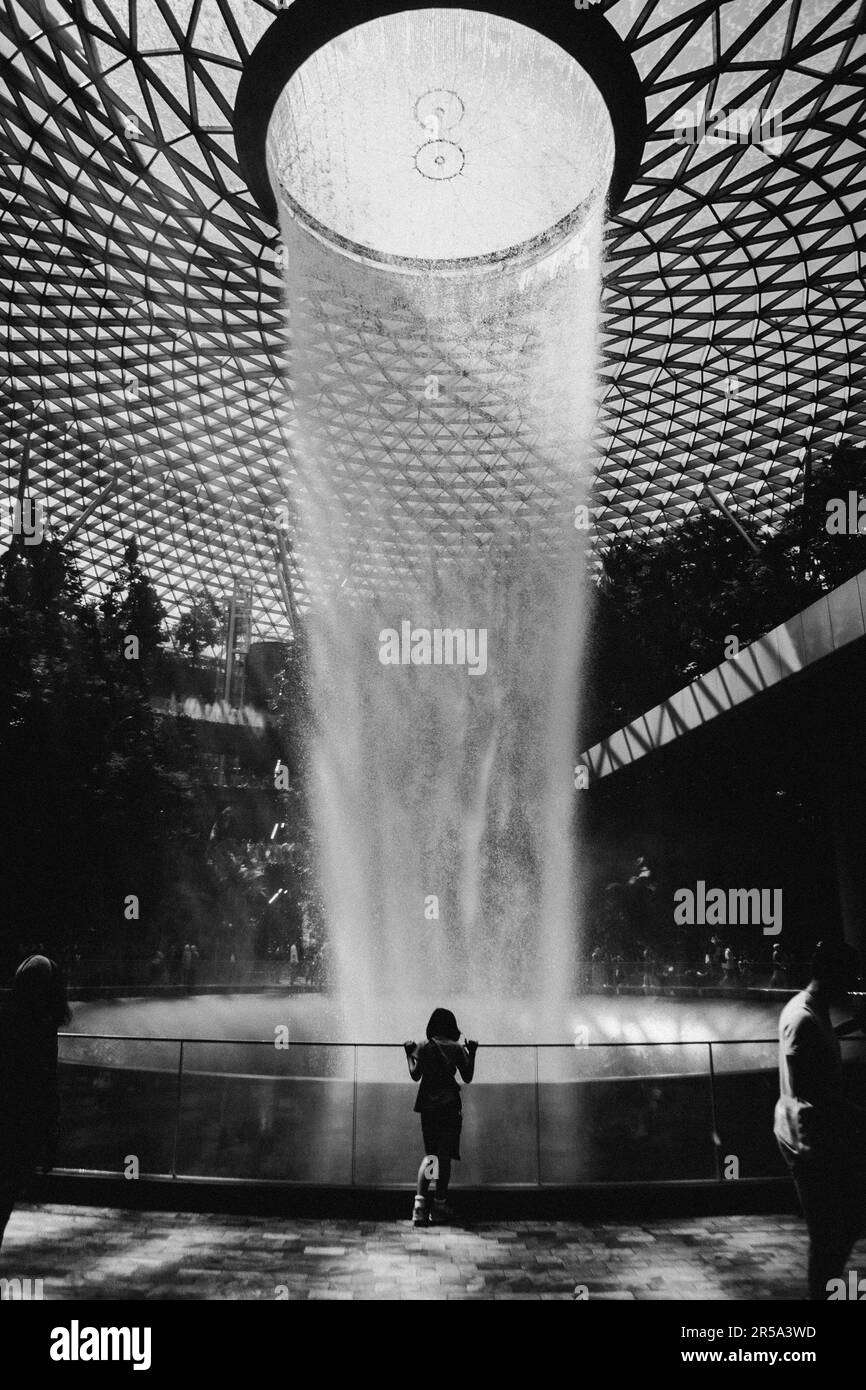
<point>143,351</point>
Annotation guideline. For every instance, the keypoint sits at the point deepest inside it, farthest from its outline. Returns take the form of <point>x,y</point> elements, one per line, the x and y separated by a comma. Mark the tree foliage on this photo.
<point>200,625</point>
<point>90,779</point>
<point>667,605</point>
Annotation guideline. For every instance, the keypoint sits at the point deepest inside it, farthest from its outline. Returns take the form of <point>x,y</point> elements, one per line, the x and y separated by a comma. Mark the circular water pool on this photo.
<point>223,1031</point>
<point>276,1087</point>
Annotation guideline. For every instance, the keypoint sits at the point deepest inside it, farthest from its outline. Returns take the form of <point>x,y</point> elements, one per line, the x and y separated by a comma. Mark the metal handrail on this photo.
<point>535,1048</point>
<point>500,1047</point>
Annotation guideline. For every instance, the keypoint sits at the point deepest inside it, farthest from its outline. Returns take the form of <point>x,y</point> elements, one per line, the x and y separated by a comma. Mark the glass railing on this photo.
<point>341,1114</point>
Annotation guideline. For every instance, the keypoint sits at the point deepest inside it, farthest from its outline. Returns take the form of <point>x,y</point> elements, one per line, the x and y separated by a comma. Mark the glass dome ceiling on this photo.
<point>143,344</point>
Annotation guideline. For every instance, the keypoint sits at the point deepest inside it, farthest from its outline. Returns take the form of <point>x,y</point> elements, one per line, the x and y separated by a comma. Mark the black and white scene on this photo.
<point>432,661</point>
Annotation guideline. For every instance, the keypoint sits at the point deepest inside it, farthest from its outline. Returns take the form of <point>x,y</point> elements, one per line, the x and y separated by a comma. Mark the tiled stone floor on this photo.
<point>103,1253</point>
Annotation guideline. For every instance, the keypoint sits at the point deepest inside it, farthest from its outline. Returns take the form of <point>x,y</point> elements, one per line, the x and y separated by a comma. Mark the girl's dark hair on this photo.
<point>443,1024</point>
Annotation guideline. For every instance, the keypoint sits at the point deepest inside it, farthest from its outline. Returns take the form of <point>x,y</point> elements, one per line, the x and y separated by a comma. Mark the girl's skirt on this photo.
<point>440,1127</point>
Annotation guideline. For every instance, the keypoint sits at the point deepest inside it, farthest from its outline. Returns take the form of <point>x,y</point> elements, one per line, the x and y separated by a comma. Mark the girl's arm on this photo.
<point>466,1061</point>
<point>415,1060</point>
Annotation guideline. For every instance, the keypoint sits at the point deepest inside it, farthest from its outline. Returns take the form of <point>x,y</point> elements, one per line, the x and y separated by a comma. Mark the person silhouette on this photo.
<point>779,977</point>
<point>822,1134</point>
<point>435,1064</point>
<point>29,1108</point>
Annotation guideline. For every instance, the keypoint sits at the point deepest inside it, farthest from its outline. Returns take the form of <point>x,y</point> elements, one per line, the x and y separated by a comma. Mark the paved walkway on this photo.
<point>103,1253</point>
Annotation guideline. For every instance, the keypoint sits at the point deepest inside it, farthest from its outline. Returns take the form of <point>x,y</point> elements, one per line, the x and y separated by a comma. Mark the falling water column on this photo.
<point>443,246</point>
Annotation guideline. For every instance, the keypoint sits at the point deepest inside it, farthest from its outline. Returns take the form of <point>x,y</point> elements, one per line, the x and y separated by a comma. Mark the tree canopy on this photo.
<point>667,605</point>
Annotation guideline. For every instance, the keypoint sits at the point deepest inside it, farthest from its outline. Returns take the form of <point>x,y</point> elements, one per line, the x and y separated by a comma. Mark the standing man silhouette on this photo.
<point>822,1134</point>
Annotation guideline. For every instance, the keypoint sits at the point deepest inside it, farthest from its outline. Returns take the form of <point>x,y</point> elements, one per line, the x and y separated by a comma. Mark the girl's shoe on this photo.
<point>442,1211</point>
<point>420,1213</point>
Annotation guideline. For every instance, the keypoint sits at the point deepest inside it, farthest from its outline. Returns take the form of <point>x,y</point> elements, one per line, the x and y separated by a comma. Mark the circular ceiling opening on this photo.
<point>440,135</point>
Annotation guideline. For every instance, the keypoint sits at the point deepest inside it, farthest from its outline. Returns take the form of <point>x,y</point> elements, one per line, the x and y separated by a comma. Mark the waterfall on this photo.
<point>439,464</point>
